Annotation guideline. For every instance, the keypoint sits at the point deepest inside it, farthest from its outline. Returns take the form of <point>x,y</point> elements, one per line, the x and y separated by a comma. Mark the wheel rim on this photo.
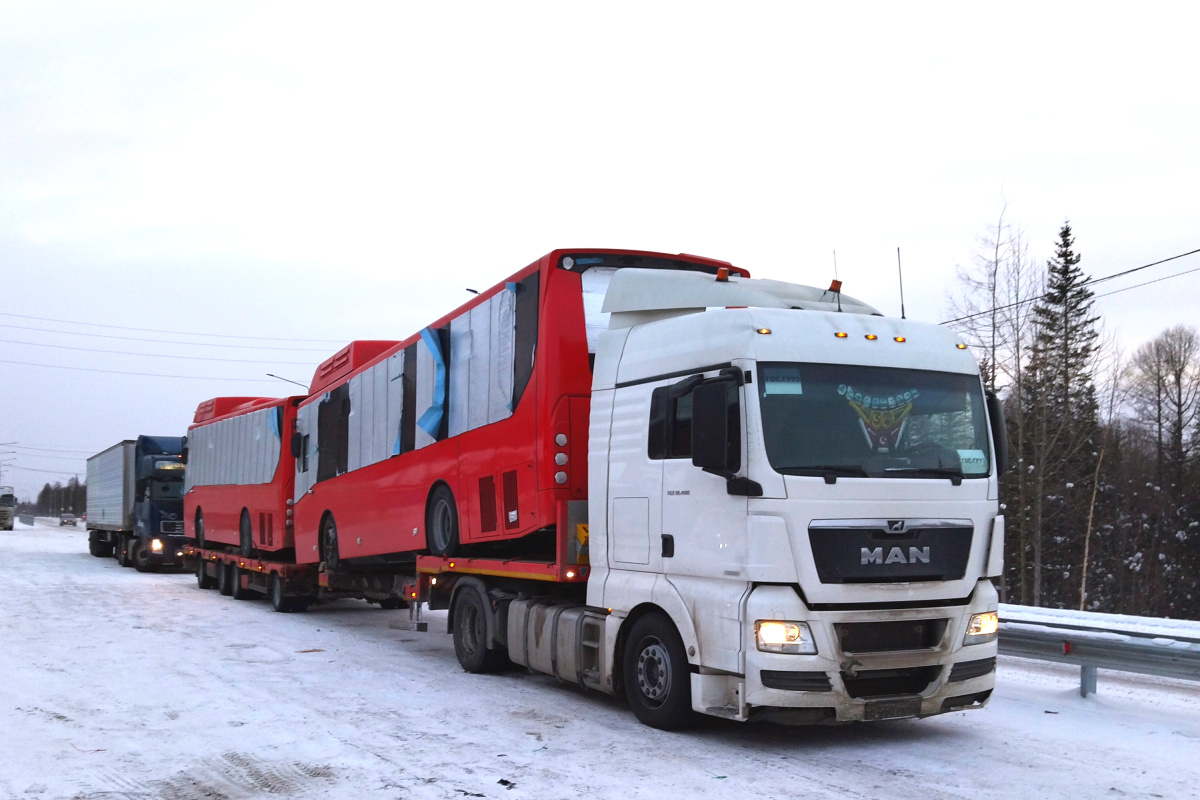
<point>654,672</point>
<point>441,525</point>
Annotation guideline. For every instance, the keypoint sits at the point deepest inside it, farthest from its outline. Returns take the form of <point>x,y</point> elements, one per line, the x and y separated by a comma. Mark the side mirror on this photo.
<point>296,443</point>
<point>183,454</point>
<point>995,410</point>
<point>715,435</point>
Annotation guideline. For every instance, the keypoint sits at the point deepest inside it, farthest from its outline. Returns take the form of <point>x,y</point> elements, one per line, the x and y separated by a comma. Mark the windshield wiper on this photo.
<point>830,472</point>
<point>955,474</point>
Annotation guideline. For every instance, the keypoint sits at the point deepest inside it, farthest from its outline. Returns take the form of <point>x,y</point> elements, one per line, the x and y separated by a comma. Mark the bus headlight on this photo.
<point>774,636</point>
<point>156,545</point>
<point>982,628</point>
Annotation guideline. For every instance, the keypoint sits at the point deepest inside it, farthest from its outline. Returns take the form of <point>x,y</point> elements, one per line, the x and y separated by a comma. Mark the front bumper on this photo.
<point>906,663</point>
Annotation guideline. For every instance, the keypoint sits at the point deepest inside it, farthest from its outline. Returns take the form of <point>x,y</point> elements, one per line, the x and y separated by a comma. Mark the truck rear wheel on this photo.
<point>140,557</point>
<point>441,522</point>
<point>470,633</point>
<point>203,579</point>
<point>246,535</point>
<point>225,578</point>
<point>657,679</point>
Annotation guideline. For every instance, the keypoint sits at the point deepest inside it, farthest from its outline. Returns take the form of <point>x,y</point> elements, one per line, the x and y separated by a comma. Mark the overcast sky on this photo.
<point>230,172</point>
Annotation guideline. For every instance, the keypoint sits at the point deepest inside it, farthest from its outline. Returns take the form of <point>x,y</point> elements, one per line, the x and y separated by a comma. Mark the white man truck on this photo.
<point>791,513</point>
<point>8,508</point>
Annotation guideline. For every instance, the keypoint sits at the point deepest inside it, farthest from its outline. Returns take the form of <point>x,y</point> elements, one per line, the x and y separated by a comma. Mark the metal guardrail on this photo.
<point>1102,641</point>
<point>25,519</point>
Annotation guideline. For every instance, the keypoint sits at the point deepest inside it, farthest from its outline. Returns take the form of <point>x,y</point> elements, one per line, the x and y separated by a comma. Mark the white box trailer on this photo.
<point>110,488</point>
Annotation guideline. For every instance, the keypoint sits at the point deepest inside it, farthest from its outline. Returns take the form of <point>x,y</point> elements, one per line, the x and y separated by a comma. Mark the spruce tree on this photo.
<point>1060,399</point>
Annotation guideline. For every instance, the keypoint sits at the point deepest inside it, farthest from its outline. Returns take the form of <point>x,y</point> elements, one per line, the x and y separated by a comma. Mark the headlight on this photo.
<point>156,545</point>
<point>773,636</point>
<point>982,628</point>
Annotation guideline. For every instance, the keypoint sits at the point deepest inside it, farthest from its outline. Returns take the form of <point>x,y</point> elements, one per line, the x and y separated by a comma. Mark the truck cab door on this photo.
<point>635,487</point>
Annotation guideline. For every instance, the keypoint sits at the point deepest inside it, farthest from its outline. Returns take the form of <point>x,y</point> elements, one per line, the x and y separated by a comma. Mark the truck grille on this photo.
<point>965,670</point>
<point>890,551</point>
<point>170,526</point>
<point>886,682</point>
<point>889,637</point>
<point>795,681</point>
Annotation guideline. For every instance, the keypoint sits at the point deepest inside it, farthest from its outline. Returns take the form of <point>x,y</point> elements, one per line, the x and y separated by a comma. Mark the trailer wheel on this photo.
<point>441,522</point>
<point>224,578</point>
<point>199,528</point>
<point>657,679</point>
<point>140,557</point>
<point>246,535</point>
<point>96,547</point>
<point>237,591</point>
<point>470,633</point>
<point>329,544</point>
<point>392,603</point>
<point>280,601</point>
<point>203,579</point>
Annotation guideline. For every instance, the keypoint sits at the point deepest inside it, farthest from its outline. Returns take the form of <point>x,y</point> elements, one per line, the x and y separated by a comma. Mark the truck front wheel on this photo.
<point>655,669</point>
<point>470,633</point>
<point>140,556</point>
<point>123,545</point>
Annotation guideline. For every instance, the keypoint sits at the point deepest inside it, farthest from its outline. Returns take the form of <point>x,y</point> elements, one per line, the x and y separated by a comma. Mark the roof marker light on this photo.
<point>764,330</point>
<point>723,274</point>
<point>961,346</point>
<point>870,337</point>
<point>900,339</point>
<point>841,334</point>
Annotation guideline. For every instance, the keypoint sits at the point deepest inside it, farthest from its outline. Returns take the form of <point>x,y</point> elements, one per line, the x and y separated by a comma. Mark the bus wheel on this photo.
<point>441,522</point>
<point>199,528</point>
<point>329,544</point>
<point>470,633</point>
<point>246,535</point>
<point>203,579</point>
<point>657,679</point>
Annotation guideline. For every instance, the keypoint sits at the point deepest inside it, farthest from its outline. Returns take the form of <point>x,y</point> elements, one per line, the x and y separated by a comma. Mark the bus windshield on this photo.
<point>877,422</point>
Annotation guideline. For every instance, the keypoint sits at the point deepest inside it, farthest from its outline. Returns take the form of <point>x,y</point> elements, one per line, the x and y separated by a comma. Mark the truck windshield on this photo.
<point>8,500</point>
<point>877,422</point>
<point>166,490</point>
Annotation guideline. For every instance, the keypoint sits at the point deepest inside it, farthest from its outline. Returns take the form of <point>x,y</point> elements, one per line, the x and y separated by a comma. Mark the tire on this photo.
<point>140,558</point>
<point>329,544</point>
<point>203,579</point>
<point>658,682</point>
<point>246,535</point>
<point>123,554</point>
<point>224,578</point>
<point>441,522</point>
<point>96,547</point>
<point>470,633</point>
<point>239,593</point>
<point>392,603</point>
<point>279,601</point>
<point>199,528</point>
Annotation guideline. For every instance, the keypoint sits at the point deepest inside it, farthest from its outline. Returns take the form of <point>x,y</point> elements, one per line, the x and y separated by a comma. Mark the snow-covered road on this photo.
<point>115,684</point>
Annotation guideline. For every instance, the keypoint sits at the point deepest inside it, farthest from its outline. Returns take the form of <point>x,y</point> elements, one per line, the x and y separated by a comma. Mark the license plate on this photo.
<point>892,709</point>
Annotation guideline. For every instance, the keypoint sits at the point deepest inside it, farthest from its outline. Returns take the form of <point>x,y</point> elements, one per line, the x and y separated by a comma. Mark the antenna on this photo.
<point>901,272</point>
<point>835,265</point>
<point>288,380</point>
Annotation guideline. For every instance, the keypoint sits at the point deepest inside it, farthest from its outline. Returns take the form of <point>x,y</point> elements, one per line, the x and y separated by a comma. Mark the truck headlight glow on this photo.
<point>156,545</point>
<point>982,628</point>
<point>774,636</point>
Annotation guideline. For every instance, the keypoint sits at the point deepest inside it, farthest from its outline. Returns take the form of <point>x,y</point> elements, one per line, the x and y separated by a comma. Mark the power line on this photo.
<point>168,341</point>
<point>46,471</point>
<point>151,355</point>
<point>144,374</point>
<point>48,449</point>
<point>55,458</point>
<point>1089,283</point>
<point>180,333</point>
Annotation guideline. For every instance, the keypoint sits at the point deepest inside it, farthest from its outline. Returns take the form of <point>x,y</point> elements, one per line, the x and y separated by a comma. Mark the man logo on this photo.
<point>896,555</point>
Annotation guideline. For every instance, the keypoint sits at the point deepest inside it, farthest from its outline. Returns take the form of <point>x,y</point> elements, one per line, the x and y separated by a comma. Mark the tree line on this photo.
<point>1100,500</point>
<point>55,499</point>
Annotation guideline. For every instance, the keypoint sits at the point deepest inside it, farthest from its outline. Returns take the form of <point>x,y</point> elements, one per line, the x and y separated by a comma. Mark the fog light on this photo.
<point>156,545</point>
<point>773,636</point>
<point>982,628</point>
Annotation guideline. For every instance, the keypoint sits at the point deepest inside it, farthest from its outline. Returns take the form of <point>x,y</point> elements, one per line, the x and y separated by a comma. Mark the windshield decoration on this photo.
<point>881,419</point>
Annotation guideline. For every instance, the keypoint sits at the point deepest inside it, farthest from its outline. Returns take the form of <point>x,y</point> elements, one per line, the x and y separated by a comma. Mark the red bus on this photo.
<point>469,437</point>
<point>240,473</point>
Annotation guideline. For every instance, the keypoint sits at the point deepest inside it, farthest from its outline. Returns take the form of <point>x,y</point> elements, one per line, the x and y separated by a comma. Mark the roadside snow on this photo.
<point>115,684</point>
